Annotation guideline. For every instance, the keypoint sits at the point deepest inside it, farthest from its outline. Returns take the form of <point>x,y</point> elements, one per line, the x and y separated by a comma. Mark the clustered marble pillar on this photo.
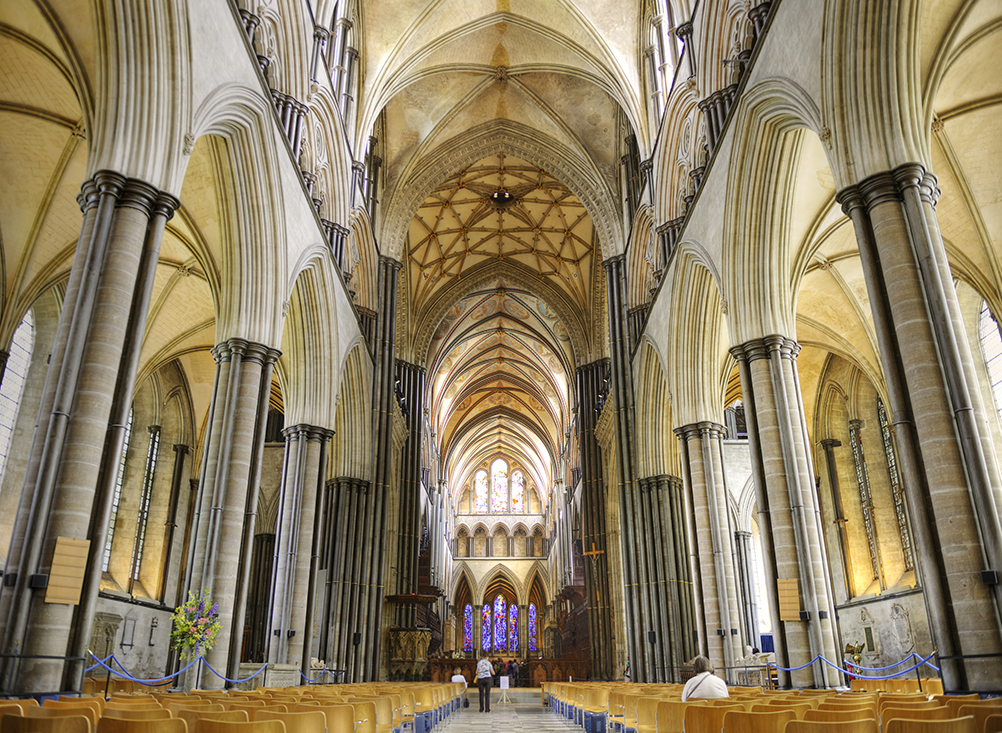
<point>788,510</point>
<point>301,508</point>
<point>80,426</point>
<point>703,474</point>
<point>590,380</point>
<point>947,460</point>
<point>665,543</point>
<point>410,381</point>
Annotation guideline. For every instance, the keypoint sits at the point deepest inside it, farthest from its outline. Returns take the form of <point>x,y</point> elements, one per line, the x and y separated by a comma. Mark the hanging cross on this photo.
<point>592,555</point>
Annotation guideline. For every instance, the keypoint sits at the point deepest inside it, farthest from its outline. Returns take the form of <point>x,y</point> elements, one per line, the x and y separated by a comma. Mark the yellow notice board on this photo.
<point>789,598</point>
<point>67,574</point>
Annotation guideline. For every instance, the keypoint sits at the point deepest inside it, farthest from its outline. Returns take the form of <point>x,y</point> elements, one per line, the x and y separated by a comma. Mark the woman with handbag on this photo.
<point>457,676</point>
<point>485,676</point>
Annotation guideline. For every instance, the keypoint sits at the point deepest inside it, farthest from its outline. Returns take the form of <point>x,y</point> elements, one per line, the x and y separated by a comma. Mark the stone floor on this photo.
<point>519,717</point>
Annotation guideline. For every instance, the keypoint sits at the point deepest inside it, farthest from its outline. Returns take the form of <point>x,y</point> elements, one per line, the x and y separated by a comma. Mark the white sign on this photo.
<point>504,682</point>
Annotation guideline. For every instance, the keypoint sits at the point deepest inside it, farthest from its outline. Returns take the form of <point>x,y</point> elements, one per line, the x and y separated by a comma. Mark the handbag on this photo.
<point>466,702</point>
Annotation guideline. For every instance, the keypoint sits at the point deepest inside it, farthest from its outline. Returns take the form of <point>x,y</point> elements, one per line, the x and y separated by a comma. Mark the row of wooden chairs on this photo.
<point>659,709</point>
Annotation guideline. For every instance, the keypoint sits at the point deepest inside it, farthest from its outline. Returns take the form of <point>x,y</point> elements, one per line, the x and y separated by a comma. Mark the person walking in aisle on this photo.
<point>485,676</point>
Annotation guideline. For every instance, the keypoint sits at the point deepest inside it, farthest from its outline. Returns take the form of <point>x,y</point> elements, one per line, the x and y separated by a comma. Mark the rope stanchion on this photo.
<point>883,677</point>
<point>235,682</point>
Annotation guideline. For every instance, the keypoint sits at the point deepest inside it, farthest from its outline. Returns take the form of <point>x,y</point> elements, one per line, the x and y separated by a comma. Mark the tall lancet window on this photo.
<point>485,628</point>
<point>468,628</point>
<point>500,625</point>
<point>513,628</point>
<point>517,493</point>
<point>533,645</point>
<point>480,492</point>
<point>13,382</point>
<point>499,486</point>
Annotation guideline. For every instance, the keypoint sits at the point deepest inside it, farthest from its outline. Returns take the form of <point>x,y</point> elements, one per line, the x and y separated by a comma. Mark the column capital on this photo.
<point>762,348</point>
<point>684,30</point>
<point>829,443</point>
<point>320,33</point>
<point>615,260</point>
<point>181,448</point>
<point>386,261</point>
<point>248,351</point>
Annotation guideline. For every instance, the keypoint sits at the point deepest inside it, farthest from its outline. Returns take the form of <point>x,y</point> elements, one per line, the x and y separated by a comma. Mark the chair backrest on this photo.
<point>151,705</point>
<point>630,703</point>
<point>120,725</point>
<point>889,712</point>
<point>738,721</point>
<point>340,718</point>
<point>980,713</point>
<point>75,704</point>
<point>647,710</point>
<point>993,723</point>
<point>124,714</point>
<point>190,715</point>
<point>53,712</point>
<point>29,702</point>
<point>838,716</point>
<point>952,725</point>
<point>206,725</point>
<point>185,704</point>
<point>312,722</point>
<point>705,718</point>
<point>797,708</point>
<point>10,710</point>
<point>365,717</point>
<point>932,685</point>
<point>849,726</point>
<point>60,724</point>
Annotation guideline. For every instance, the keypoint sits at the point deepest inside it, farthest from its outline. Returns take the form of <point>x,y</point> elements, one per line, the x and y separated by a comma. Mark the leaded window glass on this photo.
<point>499,486</point>
<point>991,350</point>
<point>532,628</point>
<point>865,497</point>
<point>500,625</point>
<point>117,498</point>
<point>485,628</point>
<point>896,491</point>
<point>513,628</point>
<point>18,362</point>
<point>480,492</point>
<point>518,493</point>
<point>152,453</point>
<point>468,628</point>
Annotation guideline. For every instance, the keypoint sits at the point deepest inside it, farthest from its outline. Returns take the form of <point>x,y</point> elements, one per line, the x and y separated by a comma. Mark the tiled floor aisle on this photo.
<point>513,718</point>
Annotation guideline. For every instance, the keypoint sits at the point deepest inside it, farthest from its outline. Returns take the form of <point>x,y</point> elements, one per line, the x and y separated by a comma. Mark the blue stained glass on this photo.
<point>532,627</point>
<point>485,628</point>
<point>513,628</point>
<point>468,628</point>
<point>500,625</point>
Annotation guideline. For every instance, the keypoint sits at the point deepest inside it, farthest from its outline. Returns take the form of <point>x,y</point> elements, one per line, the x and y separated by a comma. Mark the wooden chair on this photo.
<point>75,704</point>
<point>706,718</point>
<point>771,722</point>
<point>133,706</point>
<point>185,704</point>
<point>225,726</point>
<point>993,723</point>
<point>798,709</point>
<point>54,712</point>
<point>59,724</point>
<point>124,714</point>
<point>10,710</point>
<point>982,712</point>
<point>838,716</point>
<point>29,702</point>
<point>312,722</point>
<point>340,718</point>
<point>849,726</point>
<point>911,713</point>
<point>119,725</point>
<point>932,685</point>
<point>190,715</point>
<point>365,717</point>
<point>647,714</point>
<point>953,725</point>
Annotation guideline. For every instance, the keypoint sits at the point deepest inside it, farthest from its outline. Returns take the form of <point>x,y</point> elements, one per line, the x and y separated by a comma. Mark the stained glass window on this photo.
<point>480,491</point>
<point>485,628</point>
<point>468,628</point>
<point>12,387</point>
<point>500,625</point>
<point>532,627</point>
<point>513,628</point>
<point>517,492</point>
<point>499,486</point>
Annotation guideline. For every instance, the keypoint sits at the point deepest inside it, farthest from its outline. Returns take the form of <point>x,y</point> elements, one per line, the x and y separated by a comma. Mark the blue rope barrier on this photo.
<point>95,666</point>
<point>891,666</point>
<point>315,678</point>
<point>927,664</point>
<point>236,682</point>
<point>854,674</point>
<point>128,676</point>
<point>792,669</point>
<point>884,677</point>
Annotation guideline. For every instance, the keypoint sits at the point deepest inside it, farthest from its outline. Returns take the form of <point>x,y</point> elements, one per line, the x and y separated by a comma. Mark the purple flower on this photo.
<point>215,609</point>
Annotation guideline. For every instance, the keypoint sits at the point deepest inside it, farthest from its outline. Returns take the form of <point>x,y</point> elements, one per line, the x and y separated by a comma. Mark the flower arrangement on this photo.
<point>196,623</point>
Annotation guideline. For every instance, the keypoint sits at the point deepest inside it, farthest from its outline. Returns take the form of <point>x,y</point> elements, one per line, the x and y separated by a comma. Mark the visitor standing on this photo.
<point>485,676</point>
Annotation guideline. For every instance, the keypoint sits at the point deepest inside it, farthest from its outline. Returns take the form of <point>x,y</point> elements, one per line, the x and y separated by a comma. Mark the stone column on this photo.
<point>947,461</point>
<point>591,379</point>
<point>684,32</point>
<point>672,556</point>
<point>829,445</point>
<point>703,464</point>
<point>477,630</point>
<point>410,384</point>
<point>228,486</point>
<point>749,585</point>
<point>93,370</point>
<point>635,561</point>
<point>788,508</point>
<point>180,451</point>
